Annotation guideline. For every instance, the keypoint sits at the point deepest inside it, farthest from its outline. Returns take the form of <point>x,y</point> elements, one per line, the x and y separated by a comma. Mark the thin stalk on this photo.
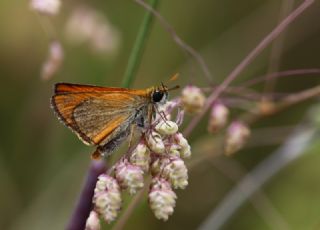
<point>132,67</point>
<point>178,40</point>
<point>247,60</point>
<point>276,51</point>
<point>138,48</point>
<point>286,73</point>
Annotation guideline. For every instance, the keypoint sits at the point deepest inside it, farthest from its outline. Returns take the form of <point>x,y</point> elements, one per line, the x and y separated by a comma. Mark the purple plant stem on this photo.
<point>276,51</point>
<point>84,203</point>
<point>286,73</point>
<point>246,61</point>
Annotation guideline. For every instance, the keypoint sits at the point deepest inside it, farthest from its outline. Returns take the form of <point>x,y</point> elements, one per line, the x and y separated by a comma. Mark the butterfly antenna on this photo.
<point>174,77</point>
<point>174,87</point>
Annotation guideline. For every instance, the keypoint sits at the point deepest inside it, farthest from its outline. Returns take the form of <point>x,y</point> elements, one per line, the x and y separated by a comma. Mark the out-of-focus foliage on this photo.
<point>42,164</point>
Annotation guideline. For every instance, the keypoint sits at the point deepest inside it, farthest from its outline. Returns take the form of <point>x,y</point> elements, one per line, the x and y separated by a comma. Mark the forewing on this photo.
<point>94,115</point>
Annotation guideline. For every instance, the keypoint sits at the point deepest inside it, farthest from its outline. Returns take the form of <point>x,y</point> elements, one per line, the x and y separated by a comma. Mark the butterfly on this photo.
<point>105,116</point>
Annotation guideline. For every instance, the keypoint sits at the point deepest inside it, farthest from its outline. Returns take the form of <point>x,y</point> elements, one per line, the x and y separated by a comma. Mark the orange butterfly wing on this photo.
<point>95,113</point>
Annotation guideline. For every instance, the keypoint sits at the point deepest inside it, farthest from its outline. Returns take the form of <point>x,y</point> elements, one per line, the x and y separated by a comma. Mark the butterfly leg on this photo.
<point>131,134</point>
<point>150,113</point>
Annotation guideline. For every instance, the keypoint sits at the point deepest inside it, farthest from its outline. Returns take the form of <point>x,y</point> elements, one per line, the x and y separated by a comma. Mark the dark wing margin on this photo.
<point>62,88</point>
<point>64,113</point>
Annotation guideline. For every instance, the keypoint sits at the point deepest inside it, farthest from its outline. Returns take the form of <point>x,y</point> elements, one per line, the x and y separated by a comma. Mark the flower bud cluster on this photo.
<point>165,140</point>
<point>168,148</point>
<point>160,152</point>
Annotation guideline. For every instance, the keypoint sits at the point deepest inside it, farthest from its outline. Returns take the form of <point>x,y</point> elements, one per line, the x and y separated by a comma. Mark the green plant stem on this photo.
<point>132,67</point>
<point>138,48</point>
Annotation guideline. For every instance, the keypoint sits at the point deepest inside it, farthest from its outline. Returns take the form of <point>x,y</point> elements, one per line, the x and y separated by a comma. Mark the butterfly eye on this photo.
<point>157,96</point>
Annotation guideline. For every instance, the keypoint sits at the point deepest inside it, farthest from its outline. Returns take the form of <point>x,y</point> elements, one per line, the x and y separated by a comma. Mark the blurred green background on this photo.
<point>42,164</point>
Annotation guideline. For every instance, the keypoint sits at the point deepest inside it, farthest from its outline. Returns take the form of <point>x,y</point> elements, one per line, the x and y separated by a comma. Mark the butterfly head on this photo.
<point>160,94</point>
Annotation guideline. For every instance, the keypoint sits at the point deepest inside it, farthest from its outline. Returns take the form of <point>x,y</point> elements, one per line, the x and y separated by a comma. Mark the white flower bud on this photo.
<point>49,7</point>
<point>155,142</point>
<point>185,150</point>
<point>176,172</point>
<point>107,198</point>
<point>141,157</point>
<point>193,99</point>
<point>236,137</point>
<point>93,222</point>
<point>166,127</point>
<point>162,199</point>
<point>129,176</point>
<point>218,117</point>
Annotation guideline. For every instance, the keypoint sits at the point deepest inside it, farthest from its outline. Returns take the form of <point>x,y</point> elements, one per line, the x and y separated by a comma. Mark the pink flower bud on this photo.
<point>236,137</point>
<point>107,198</point>
<point>162,199</point>
<point>129,176</point>
<point>54,61</point>
<point>93,222</point>
<point>218,117</point>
